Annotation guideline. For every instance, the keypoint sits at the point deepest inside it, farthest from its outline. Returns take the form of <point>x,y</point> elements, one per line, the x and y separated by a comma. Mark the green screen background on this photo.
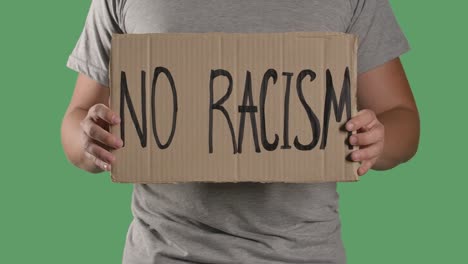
<point>51,212</point>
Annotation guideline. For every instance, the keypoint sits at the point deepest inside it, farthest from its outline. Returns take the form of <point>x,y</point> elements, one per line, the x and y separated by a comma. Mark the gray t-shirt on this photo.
<point>236,222</point>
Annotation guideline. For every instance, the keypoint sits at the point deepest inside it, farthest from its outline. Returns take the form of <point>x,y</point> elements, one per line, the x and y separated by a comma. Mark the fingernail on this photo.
<point>105,166</point>
<point>116,119</point>
<point>118,143</point>
<point>355,156</point>
<point>352,140</point>
<point>360,172</point>
<point>349,126</point>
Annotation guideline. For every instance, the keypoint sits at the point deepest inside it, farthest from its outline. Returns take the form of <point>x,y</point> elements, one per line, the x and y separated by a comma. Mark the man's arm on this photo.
<point>385,91</point>
<point>84,136</point>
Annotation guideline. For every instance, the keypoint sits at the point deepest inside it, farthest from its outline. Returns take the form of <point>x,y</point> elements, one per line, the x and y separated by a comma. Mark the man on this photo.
<point>243,222</point>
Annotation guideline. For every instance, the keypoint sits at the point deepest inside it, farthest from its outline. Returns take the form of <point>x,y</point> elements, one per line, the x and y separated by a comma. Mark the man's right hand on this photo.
<point>97,140</point>
<point>85,137</point>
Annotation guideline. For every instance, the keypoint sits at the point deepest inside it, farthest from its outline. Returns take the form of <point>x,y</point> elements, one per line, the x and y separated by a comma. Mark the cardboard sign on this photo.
<point>233,107</point>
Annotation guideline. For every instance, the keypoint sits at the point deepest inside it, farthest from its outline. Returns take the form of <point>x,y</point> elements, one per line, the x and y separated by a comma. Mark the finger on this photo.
<point>372,136</point>
<point>101,164</point>
<point>96,132</point>
<point>364,119</point>
<point>103,112</point>
<point>366,153</point>
<point>99,152</point>
<point>365,166</point>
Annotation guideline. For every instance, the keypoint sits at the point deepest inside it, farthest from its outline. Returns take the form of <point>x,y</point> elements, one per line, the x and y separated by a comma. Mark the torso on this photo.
<point>248,222</point>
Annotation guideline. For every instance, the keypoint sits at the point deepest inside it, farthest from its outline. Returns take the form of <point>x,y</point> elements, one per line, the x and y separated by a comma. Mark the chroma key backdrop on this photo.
<point>52,212</point>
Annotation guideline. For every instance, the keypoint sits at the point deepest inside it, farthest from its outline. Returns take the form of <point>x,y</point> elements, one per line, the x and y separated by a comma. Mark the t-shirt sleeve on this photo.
<point>379,34</point>
<point>92,50</point>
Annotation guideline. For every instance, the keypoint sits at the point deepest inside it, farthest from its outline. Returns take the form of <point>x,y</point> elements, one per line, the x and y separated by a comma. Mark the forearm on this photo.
<point>401,137</point>
<point>72,141</point>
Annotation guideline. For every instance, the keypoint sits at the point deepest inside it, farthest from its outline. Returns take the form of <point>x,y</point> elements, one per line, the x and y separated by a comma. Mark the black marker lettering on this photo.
<point>125,96</point>
<point>243,109</point>
<point>330,98</point>
<point>271,73</point>
<point>286,111</point>
<point>218,106</point>
<point>157,71</point>
<point>314,122</point>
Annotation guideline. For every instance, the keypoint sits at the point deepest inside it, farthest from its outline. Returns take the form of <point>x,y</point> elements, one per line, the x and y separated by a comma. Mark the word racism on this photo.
<point>246,109</point>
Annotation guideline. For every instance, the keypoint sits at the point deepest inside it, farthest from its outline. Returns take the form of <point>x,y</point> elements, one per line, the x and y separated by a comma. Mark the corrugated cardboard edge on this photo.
<point>116,36</point>
<point>109,73</point>
<point>308,34</point>
<point>354,109</point>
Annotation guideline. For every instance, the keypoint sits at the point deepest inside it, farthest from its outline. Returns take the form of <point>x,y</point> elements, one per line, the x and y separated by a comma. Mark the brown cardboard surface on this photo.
<point>187,125</point>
